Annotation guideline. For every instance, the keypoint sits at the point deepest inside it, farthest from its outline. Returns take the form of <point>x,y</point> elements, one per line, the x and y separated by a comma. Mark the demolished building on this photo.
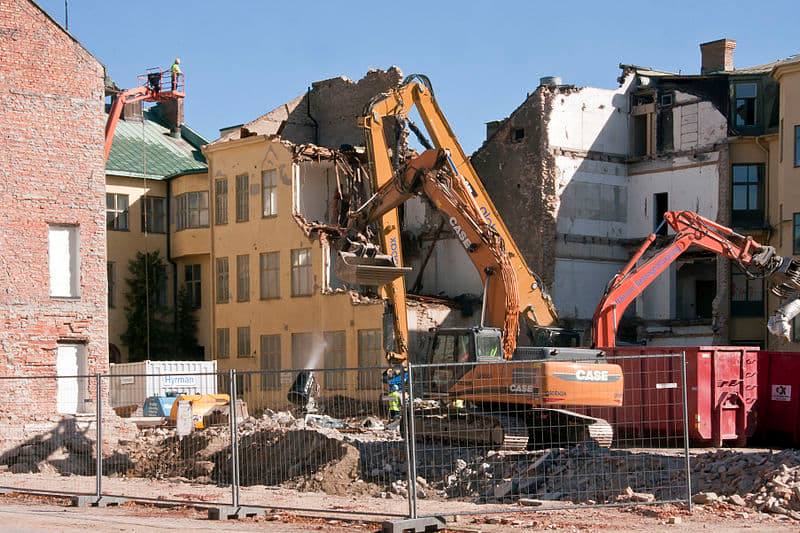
<point>582,175</point>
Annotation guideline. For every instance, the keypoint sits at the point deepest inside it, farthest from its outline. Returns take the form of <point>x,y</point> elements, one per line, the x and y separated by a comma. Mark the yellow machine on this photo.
<point>529,392</point>
<point>202,405</point>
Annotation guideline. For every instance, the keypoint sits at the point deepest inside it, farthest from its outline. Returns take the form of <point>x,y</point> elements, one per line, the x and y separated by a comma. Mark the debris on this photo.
<point>703,498</point>
<point>675,520</point>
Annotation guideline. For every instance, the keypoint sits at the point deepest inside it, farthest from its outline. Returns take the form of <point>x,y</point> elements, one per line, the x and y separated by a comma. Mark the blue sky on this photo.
<point>244,58</point>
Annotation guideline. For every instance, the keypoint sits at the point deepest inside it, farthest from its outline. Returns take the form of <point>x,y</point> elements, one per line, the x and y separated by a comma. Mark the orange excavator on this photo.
<point>691,229</point>
<point>155,85</point>
<point>510,405</point>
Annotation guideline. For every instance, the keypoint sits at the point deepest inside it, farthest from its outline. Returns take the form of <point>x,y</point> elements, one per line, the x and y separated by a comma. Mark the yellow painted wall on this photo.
<point>322,311</point>
<point>123,245</point>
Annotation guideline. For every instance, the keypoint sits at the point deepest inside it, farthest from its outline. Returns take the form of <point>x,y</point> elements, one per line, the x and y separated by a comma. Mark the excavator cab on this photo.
<point>452,349</point>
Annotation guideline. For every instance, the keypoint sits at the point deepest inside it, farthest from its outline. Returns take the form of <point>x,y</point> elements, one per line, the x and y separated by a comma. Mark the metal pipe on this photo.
<point>485,296</point>
<point>411,438</point>
<point>98,436</point>
<point>686,434</point>
<point>234,439</point>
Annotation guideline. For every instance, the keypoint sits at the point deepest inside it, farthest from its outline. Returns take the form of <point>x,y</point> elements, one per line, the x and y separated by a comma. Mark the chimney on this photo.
<point>171,112</point>
<point>132,111</point>
<point>717,55</point>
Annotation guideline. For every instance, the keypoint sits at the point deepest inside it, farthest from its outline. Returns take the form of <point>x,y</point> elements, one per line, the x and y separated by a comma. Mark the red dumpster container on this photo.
<point>778,398</point>
<point>722,390</point>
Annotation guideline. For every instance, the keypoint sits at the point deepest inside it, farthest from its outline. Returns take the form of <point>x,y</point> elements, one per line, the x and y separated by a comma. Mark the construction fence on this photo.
<point>338,441</point>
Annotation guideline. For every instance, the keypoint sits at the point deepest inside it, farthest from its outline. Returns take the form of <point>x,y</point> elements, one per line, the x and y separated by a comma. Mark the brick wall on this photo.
<point>51,172</point>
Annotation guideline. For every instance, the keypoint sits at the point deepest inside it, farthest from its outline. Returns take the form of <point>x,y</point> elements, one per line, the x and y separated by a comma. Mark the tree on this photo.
<point>185,326</point>
<point>149,332</point>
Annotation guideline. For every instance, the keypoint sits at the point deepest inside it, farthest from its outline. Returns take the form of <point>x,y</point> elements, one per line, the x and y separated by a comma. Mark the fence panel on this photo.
<point>331,433</point>
<point>153,452</point>
<point>48,434</point>
<point>562,432</point>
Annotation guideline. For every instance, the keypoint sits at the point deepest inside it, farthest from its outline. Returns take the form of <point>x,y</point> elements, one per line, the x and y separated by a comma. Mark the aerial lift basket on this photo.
<point>377,270</point>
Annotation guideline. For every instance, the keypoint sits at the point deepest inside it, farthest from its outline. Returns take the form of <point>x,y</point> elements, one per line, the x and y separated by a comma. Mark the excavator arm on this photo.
<point>691,229</point>
<point>416,91</point>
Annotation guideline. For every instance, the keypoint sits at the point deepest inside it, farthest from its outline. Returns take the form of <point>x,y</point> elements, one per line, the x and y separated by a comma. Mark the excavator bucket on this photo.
<point>364,270</point>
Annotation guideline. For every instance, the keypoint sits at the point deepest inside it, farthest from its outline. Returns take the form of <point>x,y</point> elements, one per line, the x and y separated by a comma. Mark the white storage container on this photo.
<point>132,383</point>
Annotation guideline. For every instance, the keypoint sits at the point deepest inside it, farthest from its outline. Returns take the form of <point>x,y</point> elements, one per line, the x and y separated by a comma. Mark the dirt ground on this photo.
<point>26,513</point>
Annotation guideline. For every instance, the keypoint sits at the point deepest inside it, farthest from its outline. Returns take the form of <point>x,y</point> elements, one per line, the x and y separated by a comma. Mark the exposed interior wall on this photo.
<point>317,192</point>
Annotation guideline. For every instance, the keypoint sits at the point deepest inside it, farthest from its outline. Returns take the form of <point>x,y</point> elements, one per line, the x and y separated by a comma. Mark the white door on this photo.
<point>69,363</point>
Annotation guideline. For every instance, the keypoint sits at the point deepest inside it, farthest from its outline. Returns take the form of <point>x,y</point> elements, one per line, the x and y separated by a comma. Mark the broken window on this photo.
<point>517,134</point>
<point>748,182</point>
<point>243,342</point>
<point>242,278</point>
<point>223,290</point>
<point>242,204</point>
<point>660,206</point>
<point>221,201</point>
<point>117,212</point>
<point>747,295</point>
<point>223,343</point>
<point>192,210</point>
<point>269,266</point>
<point>269,192</point>
<point>270,362</point>
<point>302,280</point>
<point>191,277</point>
<point>154,214</point>
<point>643,125</point>
<point>335,360</point>
<point>370,354</point>
<point>796,234</point>
<point>746,95</point>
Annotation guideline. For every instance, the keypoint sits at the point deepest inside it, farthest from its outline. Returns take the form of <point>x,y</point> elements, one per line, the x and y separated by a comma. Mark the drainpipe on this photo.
<point>169,257</point>
<point>308,113</point>
<point>769,228</point>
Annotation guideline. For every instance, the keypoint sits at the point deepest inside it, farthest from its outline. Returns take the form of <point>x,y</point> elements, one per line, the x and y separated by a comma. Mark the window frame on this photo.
<point>221,201</point>
<point>148,203</point>
<point>755,100</point>
<point>334,359</point>
<point>269,277</point>
<point>242,198</point>
<point>194,284</point>
<point>243,349</point>
<point>272,190</point>
<point>113,225</point>
<point>270,361</point>
<point>223,334</point>
<point>304,270</point>
<point>302,344</point>
<point>748,217</point>
<point>796,234</point>
<point>243,278</point>
<point>747,307</point>
<point>184,211</point>
<point>370,354</point>
<point>73,256</point>
<point>223,276</point>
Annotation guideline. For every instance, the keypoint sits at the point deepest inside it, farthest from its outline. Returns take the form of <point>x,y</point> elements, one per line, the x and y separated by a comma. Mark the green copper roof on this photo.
<point>146,149</point>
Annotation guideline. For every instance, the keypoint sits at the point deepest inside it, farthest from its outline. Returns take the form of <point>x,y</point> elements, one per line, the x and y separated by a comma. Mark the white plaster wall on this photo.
<point>695,188</point>
<point>591,119</point>
<point>317,188</point>
<point>696,124</point>
<point>449,272</point>
<point>579,284</point>
<point>659,300</point>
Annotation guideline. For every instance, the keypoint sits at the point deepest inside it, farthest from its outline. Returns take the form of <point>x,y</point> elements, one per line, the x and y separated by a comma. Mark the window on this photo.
<point>666,99</point>
<point>223,343</point>
<point>517,134</point>
<point>269,265</point>
<point>270,362</point>
<point>796,234</point>
<point>242,206</point>
<point>747,294</point>
<point>269,192</point>
<point>335,359</point>
<point>221,201</point>
<point>243,342</point>
<point>660,206</point>
<point>117,212</point>
<point>745,105</point>
<point>63,250</point>
<point>191,276</point>
<point>223,290</point>
<point>302,344</point>
<point>111,274</point>
<point>797,146</point>
<point>242,278</point>
<point>242,383</point>
<point>301,272</point>
<point>747,195</point>
<point>192,210</point>
<point>370,354</point>
<point>161,281</point>
<point>154,214</point>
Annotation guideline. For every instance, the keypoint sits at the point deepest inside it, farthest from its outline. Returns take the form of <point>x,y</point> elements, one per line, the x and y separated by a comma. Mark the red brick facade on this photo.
<point>51,172</point>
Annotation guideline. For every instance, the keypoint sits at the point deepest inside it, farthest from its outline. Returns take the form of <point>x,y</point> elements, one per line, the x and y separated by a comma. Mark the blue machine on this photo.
<point>158,405</point>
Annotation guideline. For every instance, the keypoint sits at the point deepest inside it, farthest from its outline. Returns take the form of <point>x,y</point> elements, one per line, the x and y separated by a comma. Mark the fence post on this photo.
<point>686,434</point>
<point>412,448</point>
<point>234,439</point>
<point>98,436</point>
